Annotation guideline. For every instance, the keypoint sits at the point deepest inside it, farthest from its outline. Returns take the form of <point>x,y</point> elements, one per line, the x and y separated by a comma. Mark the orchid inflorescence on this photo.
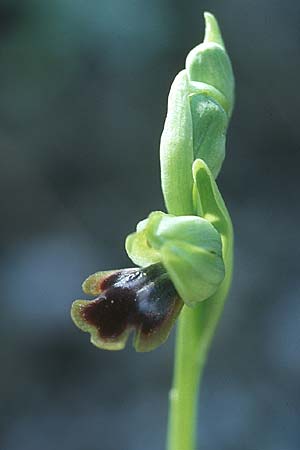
<point>184,256</point>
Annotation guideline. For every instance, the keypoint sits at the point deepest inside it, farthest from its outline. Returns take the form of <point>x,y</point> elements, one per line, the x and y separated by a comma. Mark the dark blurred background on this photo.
<point>83,90</point>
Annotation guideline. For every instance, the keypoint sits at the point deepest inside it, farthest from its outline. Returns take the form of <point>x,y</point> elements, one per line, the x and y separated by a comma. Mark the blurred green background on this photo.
<point>83,90</point>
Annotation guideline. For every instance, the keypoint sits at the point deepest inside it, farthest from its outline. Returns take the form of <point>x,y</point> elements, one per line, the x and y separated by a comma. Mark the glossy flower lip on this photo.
<point>140,300</point>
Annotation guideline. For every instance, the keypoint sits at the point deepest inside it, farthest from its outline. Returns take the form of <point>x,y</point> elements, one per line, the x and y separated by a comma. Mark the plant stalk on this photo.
<point>195,331</point>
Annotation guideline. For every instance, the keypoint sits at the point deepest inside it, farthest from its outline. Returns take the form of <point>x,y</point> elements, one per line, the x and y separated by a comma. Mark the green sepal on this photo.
<point>193,230</point>
<point>195,272</point>
<point>190,249</point>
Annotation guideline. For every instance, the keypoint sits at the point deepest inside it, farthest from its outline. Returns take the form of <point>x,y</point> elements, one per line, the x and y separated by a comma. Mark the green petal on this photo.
<point>138,247</point>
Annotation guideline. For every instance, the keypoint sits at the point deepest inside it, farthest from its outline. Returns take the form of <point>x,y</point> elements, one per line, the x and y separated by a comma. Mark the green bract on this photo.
<point>189,247</point>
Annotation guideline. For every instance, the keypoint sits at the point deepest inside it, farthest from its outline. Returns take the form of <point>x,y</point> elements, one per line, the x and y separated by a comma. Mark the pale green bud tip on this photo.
<point>190,249</point>
<point>212,30</point>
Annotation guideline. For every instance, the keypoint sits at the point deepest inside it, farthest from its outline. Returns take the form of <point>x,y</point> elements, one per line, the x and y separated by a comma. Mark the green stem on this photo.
<point>195,331</point>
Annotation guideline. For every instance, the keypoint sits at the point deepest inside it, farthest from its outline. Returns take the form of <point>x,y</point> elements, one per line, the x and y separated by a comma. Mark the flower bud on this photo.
<point>209,65</point>
<point>210,123</point>
<point>200,104</point>
<point>190,249</point>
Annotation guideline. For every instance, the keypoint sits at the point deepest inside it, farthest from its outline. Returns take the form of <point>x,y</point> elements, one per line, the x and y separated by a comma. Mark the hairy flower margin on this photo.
<point>182,256</point>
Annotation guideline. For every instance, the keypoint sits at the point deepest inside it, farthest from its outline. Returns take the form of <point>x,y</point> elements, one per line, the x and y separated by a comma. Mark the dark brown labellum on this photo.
<point>143,300</point>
